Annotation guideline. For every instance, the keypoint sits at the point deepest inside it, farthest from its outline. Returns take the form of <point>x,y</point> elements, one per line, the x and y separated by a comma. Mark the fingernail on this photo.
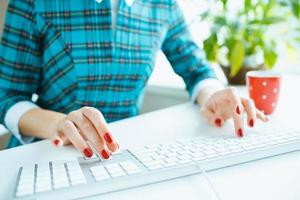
<point>218,122</point>
<point>56,142</point>
<point>108,138</point>
<point>88,152</point>
<point>105,154</point>
<point>238,111</point>
<point>251,123</point>
<point>240,133</point>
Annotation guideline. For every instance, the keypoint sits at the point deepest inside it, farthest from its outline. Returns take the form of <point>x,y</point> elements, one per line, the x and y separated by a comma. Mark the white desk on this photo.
<point>273,178</point>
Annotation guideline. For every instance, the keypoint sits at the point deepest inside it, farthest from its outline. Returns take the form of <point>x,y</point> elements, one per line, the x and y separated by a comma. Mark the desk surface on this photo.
<point>273,178</point>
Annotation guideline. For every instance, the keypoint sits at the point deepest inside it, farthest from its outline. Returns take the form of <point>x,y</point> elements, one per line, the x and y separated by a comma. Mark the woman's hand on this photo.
<point>224,104</point>
<point>80,126</point>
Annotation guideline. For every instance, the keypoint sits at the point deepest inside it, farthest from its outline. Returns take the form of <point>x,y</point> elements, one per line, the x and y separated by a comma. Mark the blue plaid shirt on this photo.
<point>67,52</point>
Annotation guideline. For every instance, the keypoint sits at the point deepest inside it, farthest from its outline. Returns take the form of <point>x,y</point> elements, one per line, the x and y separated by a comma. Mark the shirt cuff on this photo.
<point>210,82</point>
<point>13,116</point>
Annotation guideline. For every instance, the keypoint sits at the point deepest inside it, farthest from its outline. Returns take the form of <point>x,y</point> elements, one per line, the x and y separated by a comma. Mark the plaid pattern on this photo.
<point>67,52</point>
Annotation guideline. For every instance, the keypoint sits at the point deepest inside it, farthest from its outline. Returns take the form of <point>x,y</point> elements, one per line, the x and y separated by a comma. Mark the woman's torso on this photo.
<point>85,62</point>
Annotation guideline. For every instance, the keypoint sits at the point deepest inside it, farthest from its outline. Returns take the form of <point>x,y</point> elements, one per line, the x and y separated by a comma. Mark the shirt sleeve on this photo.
<point>20,56</point>
<point>207,83</point>
<point>186,58</point>
<point>13,116</point>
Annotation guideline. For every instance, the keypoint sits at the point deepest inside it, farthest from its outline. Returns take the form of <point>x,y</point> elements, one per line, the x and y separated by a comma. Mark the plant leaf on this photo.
<point>211,47</point>
<point>270,57</point>
<point>236,57</point>
<point>267,21</point>
<point>205,15</point>
<point>220,20</point>
<point>247,5</point>
<point>295,4</point>
<point>224,2</point>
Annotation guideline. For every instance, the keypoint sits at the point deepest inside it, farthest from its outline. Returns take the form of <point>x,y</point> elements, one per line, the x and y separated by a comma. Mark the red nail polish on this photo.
<point>105,154</point>
<point>218,122</point>
<point>56,142</point>
<point>240,133</point>
<point>88,152</point>
<point>238,111</point>
<point>108,138</point>
<point>251,123</point>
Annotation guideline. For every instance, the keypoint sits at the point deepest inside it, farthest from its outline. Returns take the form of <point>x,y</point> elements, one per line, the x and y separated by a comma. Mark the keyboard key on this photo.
<point>186,161</point>
<point>24,191</point>
<point>127,163</point>
<point>170,164</point>
<point>153,162</point>
<point>75,173</point>
<point>133,171</point>
<point>198,158</point>
<point>100,173</point>
<point>27,172</point>
<point>130,168</point>
<point>171,160</point>
<point>43,187</point>
<point>26,181</point>
<point>184,157</point>
<point>60,182</point>
<point>43,178</point>
<point>115,170</point>
<point>117,174</point>
<point>155,167</point>
<point>60,177</point>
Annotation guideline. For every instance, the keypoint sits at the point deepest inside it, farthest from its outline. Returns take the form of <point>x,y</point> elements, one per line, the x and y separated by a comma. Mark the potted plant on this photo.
<point>242,40</point>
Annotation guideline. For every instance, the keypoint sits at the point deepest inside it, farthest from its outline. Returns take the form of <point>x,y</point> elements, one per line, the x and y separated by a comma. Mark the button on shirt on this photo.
<point>73,54</point>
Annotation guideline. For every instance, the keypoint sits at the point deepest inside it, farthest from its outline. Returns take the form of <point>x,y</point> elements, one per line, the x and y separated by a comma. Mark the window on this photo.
<point>163,75</point>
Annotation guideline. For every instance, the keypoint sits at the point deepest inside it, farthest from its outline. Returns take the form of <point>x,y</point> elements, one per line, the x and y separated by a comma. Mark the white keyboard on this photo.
<point>149,164</point>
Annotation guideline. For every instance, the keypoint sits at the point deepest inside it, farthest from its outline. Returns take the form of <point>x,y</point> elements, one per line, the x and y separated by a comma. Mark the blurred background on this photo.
<point>237,36</point>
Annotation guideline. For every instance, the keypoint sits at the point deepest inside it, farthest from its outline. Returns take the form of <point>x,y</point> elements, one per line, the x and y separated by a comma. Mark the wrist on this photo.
<point>204,95</point>
<point>40,123</point>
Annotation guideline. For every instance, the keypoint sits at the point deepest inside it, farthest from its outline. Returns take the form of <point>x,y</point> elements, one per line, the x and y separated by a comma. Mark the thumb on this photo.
<point>213,118</point>
<point>60,140</point>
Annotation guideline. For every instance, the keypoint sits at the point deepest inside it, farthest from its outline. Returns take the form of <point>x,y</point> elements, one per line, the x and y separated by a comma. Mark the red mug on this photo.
<point>264,88</point>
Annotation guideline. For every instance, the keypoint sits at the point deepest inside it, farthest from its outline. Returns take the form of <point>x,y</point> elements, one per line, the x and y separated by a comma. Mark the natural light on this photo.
<point>163,75</point>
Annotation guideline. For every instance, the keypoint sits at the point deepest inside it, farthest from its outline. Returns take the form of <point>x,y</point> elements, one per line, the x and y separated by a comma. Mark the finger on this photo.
<point>57,141</point>
<point>260,115</point>
<point>70,131</point>
<point>235,101</point>
<point>64,139</point>
<point>60,140</point>
<point>90,133</point>
<point>237,110</point>
<point>98,121</point>
<point>250,110</point>
<point>212,118</point>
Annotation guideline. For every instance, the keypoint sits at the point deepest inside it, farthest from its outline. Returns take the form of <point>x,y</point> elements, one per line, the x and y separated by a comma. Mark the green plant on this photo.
<point>295,6</point>
<point>246,32</point>
<point>295,10</point>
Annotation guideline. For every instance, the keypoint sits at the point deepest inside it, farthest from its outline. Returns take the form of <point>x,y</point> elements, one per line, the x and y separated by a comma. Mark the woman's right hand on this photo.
<point>82,125</point>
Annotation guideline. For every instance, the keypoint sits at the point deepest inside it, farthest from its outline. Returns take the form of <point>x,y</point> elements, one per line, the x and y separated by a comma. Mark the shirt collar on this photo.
<point>128,2</point>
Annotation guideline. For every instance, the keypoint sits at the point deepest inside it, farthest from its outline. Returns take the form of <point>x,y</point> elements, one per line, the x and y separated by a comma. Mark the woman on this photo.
<point>89,61</point>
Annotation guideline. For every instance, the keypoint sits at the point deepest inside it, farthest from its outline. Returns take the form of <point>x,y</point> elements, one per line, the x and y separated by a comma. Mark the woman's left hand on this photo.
<point>225,104</point>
